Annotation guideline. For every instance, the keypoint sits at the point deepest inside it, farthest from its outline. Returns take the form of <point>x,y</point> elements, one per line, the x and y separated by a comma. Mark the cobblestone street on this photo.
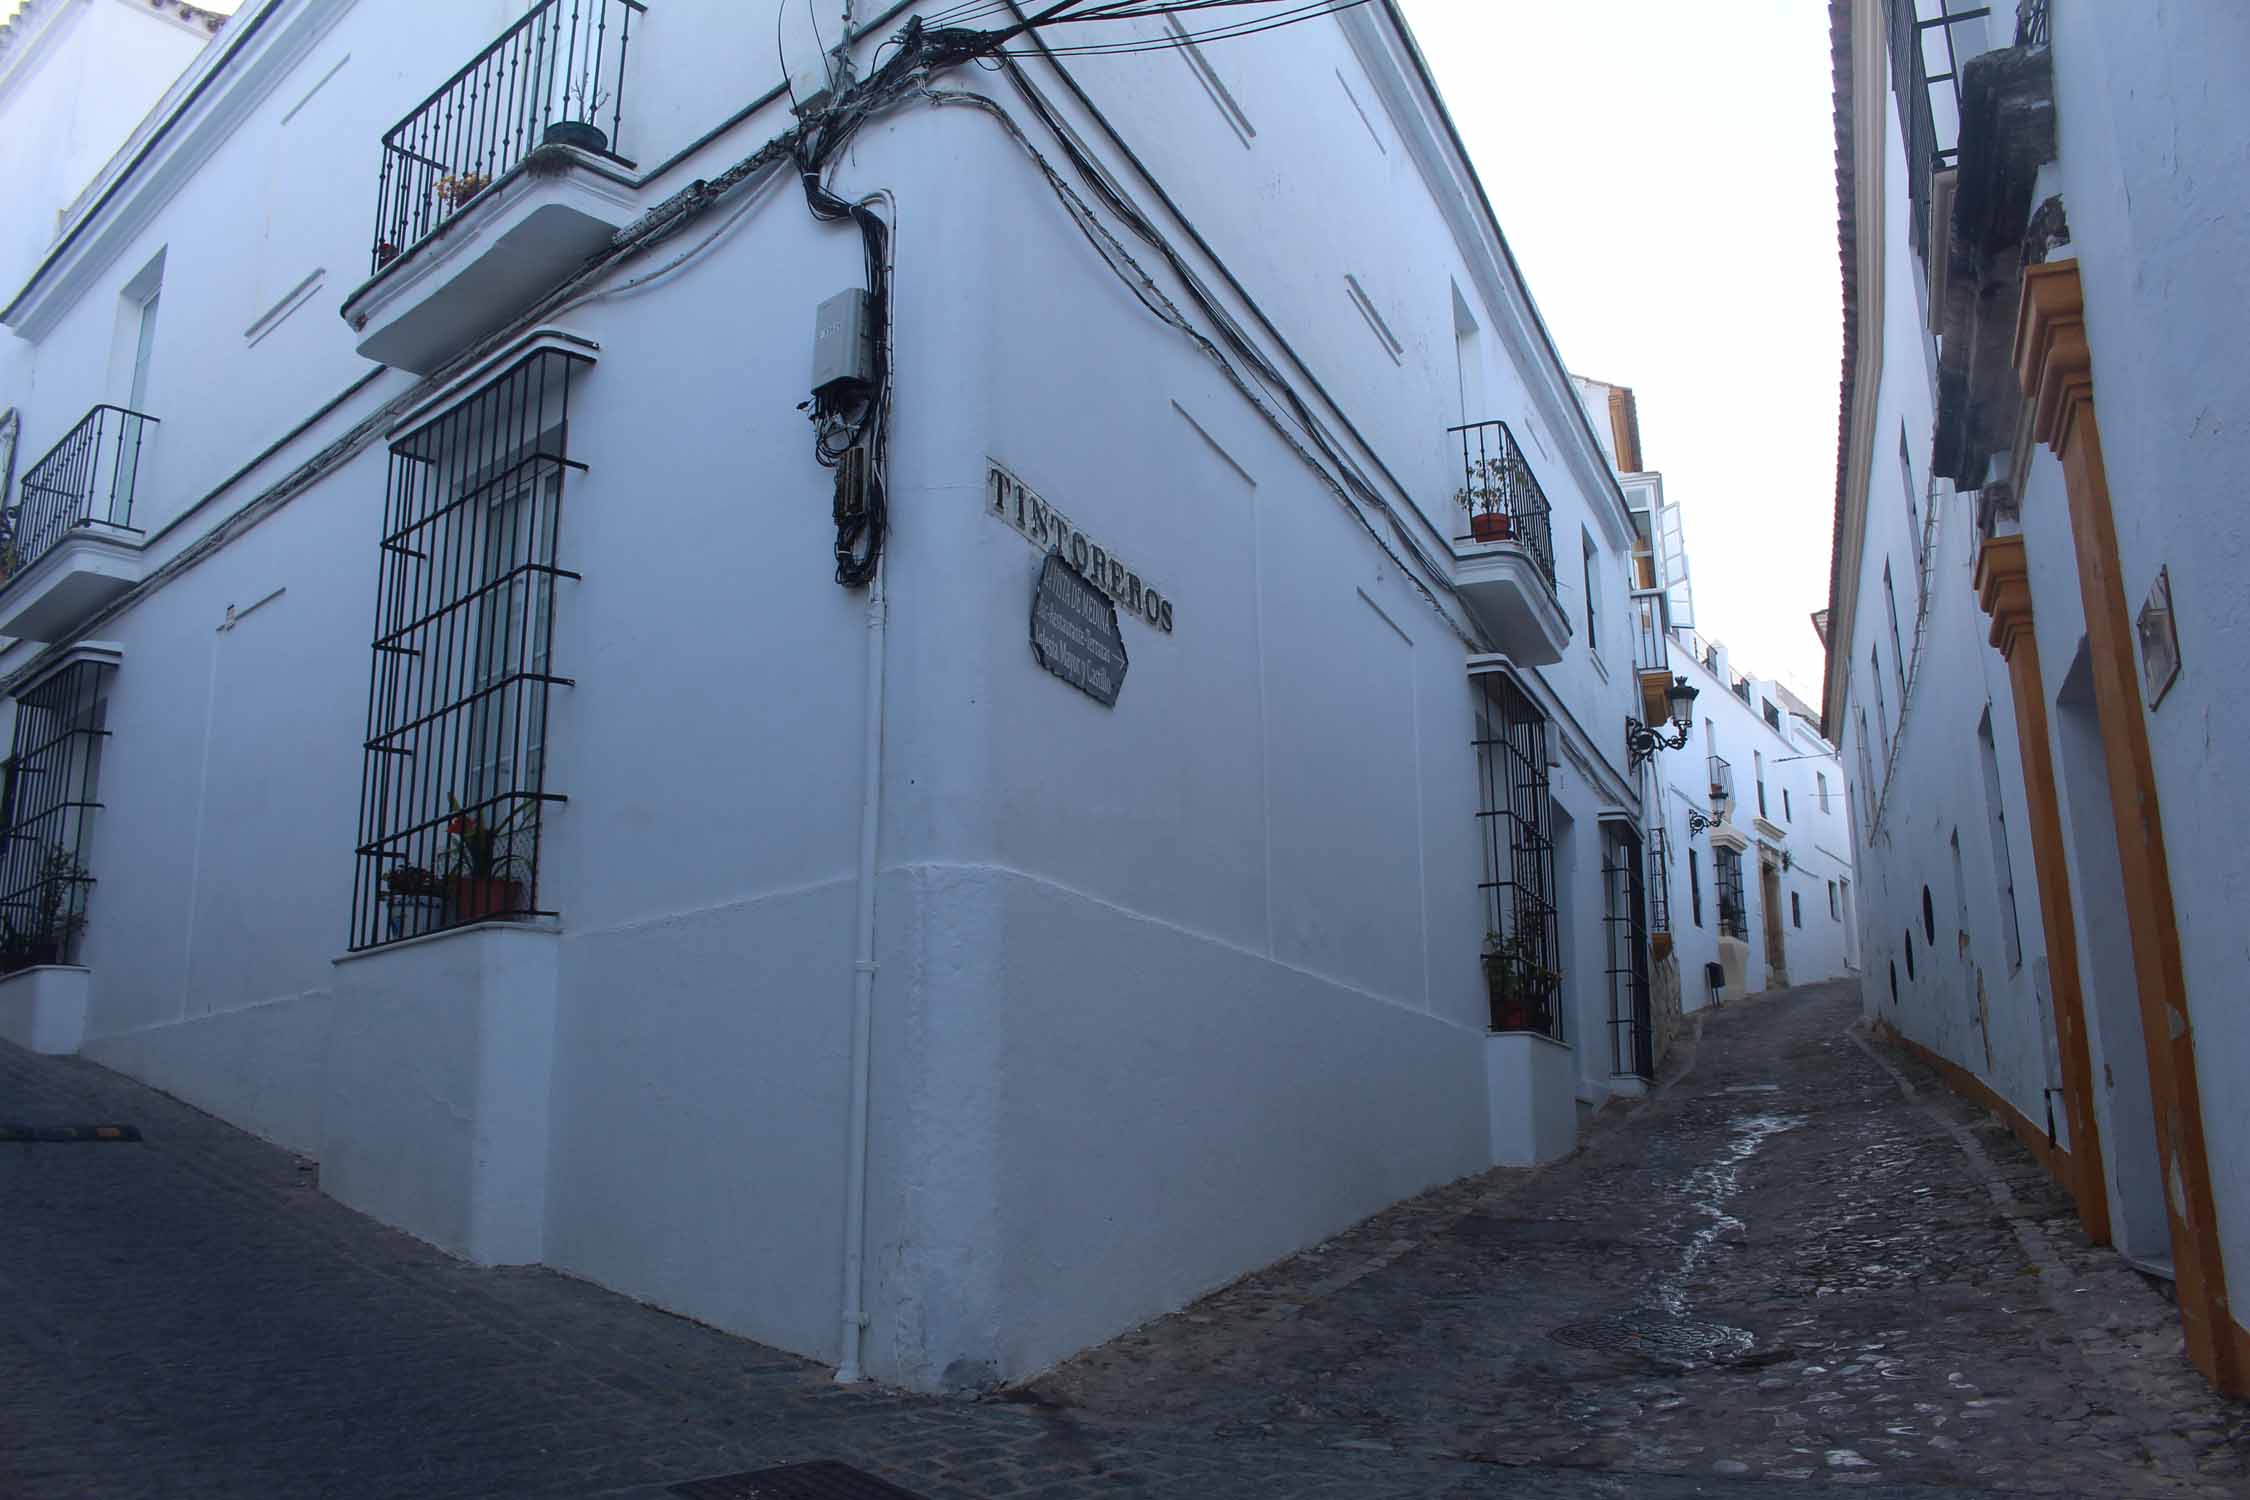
<point>1782,1274</point>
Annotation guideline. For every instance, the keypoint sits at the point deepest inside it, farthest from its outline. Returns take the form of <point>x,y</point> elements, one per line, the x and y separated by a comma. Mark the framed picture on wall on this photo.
<point>2160,639</point>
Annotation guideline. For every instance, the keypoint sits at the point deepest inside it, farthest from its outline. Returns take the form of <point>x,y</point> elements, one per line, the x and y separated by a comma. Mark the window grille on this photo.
<point>453,787</point>
<point>1625,923</point>
<point>47,799</point>
<point>1734,917</point>
<point>1694,888</point>
<point>1522,962</point>
<point>1659,882</point>
<point>1796,910</point>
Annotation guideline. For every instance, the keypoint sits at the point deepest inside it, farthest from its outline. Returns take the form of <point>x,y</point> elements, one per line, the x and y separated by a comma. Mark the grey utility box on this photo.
<point>843,346</point>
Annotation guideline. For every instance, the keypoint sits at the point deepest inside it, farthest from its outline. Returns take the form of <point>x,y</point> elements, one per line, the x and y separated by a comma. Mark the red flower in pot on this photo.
<point>483,874</point>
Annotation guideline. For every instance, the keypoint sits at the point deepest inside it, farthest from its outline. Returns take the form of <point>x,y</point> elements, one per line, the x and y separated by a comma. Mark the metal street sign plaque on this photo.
<point>1074,631</point>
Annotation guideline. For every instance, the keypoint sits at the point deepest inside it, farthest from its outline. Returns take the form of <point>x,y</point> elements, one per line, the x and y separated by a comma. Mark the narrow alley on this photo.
<point>1783,1267</point>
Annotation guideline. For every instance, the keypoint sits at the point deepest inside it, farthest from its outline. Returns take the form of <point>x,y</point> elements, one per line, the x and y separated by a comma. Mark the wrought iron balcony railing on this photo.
<point>1501,495</point>
<point>1722,782</point>
<point>1650,653</point>
<point>86,480</point>
<point>556,77</point>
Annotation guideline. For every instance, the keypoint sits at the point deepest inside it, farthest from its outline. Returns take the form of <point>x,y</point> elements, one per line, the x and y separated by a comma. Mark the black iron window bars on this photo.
<point>1522,950</point>
<point>47,800</point>
<point>1500,495</point>
<point>1734,917</point>
<point>86,480</point>
<point>556,77</point>
<point>1632,1038</point>
<point>453,787</point>
<point>1659,882</point>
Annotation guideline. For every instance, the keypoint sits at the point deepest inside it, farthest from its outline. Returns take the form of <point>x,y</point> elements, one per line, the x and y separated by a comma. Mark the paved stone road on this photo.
<point>188,1317</point>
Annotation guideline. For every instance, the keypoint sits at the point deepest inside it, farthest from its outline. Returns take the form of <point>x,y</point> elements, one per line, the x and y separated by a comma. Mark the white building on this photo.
<point>2032,604</point>
<point>1750,850</point>
<point>448,724</point>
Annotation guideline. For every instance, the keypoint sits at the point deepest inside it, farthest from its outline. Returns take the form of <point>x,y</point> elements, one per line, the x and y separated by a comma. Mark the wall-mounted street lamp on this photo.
<point>1642,742</point>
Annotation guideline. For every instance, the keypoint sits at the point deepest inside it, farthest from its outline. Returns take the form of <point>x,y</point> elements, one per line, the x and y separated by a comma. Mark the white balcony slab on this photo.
<point>87,569</point>
<point>511,245</point>
<point>1509,595</point>
<point>1531,1096</point>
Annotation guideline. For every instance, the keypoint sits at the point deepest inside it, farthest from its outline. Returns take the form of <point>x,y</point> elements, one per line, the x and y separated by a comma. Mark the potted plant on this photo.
<point>385,253</point>
<point>581,131</point>
<point>53,921</point>
<point>1484,498</point>
<point>459,187</point>
<point>415,902</point>
<point>1660,945</point>
<point>1520,984</point>
<point>483,870</point>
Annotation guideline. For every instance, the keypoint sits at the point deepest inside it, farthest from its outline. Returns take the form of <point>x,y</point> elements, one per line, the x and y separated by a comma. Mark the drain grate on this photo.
<point>1680,1339</point>
<point>821,1479</point>
<point>69,1133</point>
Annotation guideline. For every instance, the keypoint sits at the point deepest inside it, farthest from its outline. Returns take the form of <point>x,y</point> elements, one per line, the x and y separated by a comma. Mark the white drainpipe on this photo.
<point>863,991</point>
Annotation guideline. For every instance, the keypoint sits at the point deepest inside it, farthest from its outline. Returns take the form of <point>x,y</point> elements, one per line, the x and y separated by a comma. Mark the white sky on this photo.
<point>1665,173</point>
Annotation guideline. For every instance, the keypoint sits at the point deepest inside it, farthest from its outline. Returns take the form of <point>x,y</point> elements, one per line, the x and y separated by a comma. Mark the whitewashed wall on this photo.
<point>1165,991</point>
<point>2152,109</point>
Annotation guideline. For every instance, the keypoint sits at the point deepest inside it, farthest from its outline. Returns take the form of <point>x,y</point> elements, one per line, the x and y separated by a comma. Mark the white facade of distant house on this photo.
<point>1155,992</point>
<point>1749,848</point>
<point>2082,967</point>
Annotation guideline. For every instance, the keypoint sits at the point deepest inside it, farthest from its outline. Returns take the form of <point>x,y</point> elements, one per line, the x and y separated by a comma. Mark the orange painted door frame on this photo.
<point>2003,583</point>
<point>2055,365</point>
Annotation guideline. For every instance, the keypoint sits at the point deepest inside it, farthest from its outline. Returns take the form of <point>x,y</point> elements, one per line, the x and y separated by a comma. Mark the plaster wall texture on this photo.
<point>2151,168</point>
<point>1164,991</point>
<point>1916,782</point>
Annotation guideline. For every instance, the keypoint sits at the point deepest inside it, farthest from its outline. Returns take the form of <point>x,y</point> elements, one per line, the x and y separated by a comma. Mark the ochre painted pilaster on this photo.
<point>2004,588</point>
<point>2055,365</point>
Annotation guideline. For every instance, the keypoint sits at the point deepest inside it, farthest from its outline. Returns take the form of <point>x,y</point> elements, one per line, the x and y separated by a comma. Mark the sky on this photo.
<point>1665,174</point>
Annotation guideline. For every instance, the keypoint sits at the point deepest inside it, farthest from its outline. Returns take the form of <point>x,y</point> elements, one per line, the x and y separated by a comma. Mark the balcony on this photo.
<point>499,185</point>
<point>1652,657</point>
<point>1504,564</point>
<point>1722,786</point>
<point>71,545</point>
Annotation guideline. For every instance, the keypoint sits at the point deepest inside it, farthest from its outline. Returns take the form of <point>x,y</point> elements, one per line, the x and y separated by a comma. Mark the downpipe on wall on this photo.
<point>863,993</point>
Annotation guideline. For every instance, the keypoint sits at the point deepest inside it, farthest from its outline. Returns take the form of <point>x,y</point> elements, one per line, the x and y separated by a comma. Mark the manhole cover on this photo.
<point>69,1133</point>
<point>1659,1337</point>
<point>821,1479</point>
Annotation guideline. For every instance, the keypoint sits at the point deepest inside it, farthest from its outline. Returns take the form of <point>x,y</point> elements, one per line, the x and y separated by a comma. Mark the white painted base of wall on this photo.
<point>1532,1098</point>
<point>439,1065</point>
<point>1734,957</point>
<point>44,1008</point>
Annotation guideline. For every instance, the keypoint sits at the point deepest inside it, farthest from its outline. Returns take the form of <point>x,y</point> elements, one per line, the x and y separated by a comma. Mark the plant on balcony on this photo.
<point>415,902</point>
<point>484,873</point>
<point>578,128</point>
<point>1485,497</point>
<point>52,922</point>
<point>1521,985</point>
<point>385,253</point>
<point>458,188</point>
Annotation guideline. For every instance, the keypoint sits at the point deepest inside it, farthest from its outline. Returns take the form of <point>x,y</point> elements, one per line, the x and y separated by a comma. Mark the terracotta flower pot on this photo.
<point>1492,526</point>
<point>477,900</point>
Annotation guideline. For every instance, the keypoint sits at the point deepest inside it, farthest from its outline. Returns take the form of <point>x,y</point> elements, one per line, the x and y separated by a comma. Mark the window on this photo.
<point>1734,917</point>
<point>1913,511</point>
<point>1593,641</point>
<point>1796,911</point>
<point>50,794</point>
<point>454,783</point>
<point>1522,947</point>
<point>1758,769</point>
<point>2003,868</point>
<point>1773,715</point>
<point>1659,881</point>
<point>1820,785</point>
<point>1625,925</point>
<point>1786,815</point>
<point>1882,710</point>
<point>1898,652</point>
<point>1835,911</point>
<point>1695,888</point>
